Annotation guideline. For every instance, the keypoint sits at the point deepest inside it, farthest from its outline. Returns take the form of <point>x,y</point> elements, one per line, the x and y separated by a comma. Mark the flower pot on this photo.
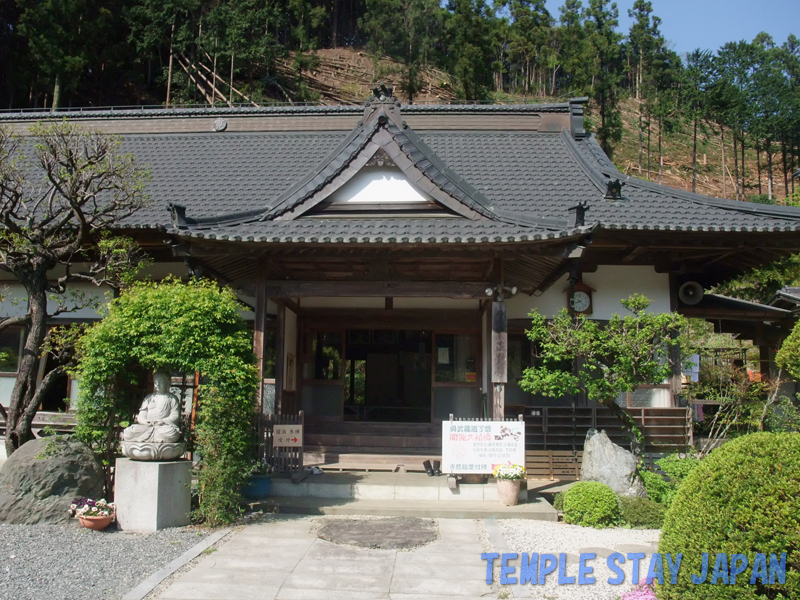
<point>257,487</point>
<point>508,491</point>
<point>96,523</point>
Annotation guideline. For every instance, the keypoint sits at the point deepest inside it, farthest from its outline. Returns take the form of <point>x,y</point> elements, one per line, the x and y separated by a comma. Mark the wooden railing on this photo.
<point>59,422</point>
<point>284,460</point>
<point>554,436</point>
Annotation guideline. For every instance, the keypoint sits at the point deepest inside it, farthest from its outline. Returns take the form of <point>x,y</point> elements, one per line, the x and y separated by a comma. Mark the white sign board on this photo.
<point>287,436</point>
<point>479,446</point>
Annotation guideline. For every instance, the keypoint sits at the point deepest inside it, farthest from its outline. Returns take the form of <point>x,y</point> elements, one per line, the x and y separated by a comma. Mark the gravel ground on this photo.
<point>545,537</point>
<point>54,562</point>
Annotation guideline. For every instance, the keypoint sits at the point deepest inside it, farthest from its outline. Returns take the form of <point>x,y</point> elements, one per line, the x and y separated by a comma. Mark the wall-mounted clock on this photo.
<point>579,299</point>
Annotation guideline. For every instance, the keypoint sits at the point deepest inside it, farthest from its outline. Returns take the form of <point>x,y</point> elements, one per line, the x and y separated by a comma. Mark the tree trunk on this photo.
<point>694,158</point>
<point>230,91</point>
<point>722,150</point>
<point>785,172</point>
<point>640,135</point>
<point>649,163</point>
<point>770,185</point>
<point>56,93</point>
<point>169,68</point>
<point>736,167</point>
<point>758,167</point>
<point>660,154</point>
<point>629,424</point>
<point>20,415</point>
<point>742,145</point>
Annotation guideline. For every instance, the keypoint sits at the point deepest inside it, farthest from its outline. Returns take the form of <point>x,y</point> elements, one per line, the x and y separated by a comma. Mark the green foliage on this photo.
<point>784,416</point>
<point>405,30</point>
<point>181,328</point>
<point>615,358</point>
<point>677,467</point>
<point>591,504</point>
<point>788,356</point>
<point>658,489</point>
<point>558,501</point>
<point>642,513</point>
<point>741,499</point>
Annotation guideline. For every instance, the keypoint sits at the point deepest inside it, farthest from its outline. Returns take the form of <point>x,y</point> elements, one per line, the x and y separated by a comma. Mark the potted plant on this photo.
<point>93,514</point>
<point>509,479</point>
<point>260,481</point>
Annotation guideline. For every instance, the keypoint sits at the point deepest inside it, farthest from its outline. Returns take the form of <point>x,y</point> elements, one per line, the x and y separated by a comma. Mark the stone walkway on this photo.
<point>282,560</point>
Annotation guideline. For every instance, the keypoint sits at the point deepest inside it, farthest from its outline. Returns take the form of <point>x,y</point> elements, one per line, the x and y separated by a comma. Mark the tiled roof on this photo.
<point>233,184</point>
<point>359,231</point>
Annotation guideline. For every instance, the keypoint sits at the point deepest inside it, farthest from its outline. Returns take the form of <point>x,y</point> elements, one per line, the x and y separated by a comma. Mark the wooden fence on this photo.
<point>284,460</point>
<point>58,422</point>
<point>554,436</point>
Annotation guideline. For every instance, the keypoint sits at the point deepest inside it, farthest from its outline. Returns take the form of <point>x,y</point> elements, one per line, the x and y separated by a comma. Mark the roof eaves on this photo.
<point>766,210</point>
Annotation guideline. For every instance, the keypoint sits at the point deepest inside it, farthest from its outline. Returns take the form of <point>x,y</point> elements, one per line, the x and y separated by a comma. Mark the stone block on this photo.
<point>152,495</point>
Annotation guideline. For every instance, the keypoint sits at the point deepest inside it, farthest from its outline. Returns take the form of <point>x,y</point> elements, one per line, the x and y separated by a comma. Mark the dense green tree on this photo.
<point>697,80</point>
<point>530,30</point>
<point>601,23</point>
<point>404,30</point>
<point>469,50</point>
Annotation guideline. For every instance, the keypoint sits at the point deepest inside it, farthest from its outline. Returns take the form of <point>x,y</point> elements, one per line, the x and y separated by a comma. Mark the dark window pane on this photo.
<point>326,354</point>
<point>9,349</point>
<point>270,353</point>
<point>455,359</point>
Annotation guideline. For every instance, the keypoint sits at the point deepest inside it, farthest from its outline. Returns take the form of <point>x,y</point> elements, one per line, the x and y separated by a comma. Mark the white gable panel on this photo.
<point>381,184</point>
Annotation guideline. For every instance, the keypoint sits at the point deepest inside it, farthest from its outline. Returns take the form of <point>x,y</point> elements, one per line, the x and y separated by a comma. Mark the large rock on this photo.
<point>608,463</point>
<point>41,479</point>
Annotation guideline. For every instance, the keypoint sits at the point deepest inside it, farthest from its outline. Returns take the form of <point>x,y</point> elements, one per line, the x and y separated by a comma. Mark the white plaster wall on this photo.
<point>375,184</point>
<point>290,345</point>
<point>15,302</point>
<point>6,387</point>
<point>611,284</point>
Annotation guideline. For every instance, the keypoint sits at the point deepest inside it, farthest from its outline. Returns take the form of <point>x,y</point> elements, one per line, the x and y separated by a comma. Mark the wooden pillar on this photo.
<point>499,358</point>
<point>258,335</point>
<point>280,366</point>
<point>765,358</point>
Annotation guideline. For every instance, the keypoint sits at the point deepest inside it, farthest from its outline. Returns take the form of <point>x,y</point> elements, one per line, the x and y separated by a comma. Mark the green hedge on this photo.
<point>742,499</point>
<point>642,513</point>
<point>591,504</point>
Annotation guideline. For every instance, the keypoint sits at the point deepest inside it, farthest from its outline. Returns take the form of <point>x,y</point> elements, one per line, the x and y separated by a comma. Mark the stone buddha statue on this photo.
<point>156,435</point>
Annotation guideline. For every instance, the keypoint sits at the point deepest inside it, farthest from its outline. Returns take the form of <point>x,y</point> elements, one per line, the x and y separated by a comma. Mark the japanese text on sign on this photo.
<point>287,435</point>
<point>479,446</point>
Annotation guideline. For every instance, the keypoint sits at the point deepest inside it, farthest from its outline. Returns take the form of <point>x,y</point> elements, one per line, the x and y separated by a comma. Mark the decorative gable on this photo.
<point>382,168</point>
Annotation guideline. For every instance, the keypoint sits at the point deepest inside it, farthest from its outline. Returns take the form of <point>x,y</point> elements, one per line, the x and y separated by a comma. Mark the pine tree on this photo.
<point>602,21</point>
<point>469,49</point>
<point>404,30</point>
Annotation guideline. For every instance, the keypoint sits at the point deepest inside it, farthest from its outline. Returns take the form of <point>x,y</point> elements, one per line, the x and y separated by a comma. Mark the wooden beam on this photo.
<point>280,342</point>
<point>290,304</point>
<point>419,289</point>
<point>258,334</point>
<point>634,253</point>
<point>499,358</point>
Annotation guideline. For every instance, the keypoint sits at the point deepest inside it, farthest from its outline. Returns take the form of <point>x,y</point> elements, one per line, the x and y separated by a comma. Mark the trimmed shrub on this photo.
<point>642,513</point>
<point>558,501</point>
<point>741,499</point>
<point>591,504</point>
<point>658,489</point>
<point>678,467</point>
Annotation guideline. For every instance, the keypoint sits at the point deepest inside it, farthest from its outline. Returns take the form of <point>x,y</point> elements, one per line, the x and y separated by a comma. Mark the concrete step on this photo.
<point>341,459</point>
<point>539,509</point>
<point>371,441</point>
<point>386,486</point>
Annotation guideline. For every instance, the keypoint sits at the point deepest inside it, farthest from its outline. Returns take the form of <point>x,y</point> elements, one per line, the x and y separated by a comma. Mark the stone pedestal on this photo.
<point>152,495</point>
